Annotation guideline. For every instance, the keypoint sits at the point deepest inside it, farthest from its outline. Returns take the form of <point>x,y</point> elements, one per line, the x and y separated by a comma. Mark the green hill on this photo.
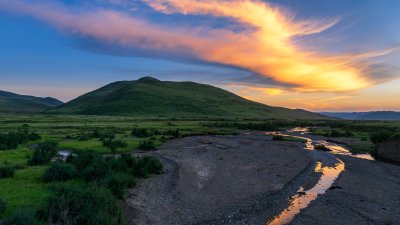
<point>149,97</point>
<point>15,103</point>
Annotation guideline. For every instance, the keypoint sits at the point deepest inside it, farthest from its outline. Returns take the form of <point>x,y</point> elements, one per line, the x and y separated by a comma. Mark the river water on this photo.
<point>328,166</point>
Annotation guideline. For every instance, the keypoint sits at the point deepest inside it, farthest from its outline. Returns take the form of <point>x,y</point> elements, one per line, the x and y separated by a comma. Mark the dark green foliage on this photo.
<point>60,172</point>
<point>380,137</point>
<point>141,132</point>
<point>10,102</point>
<point>6,171</point>
<point>106,135</point>
<point>82,205</point>
<point>173,99</point>
<point>13,139</point>
<point>2,206</point>
<point>118,182</point>
<point>96,170</point>
<point>147,165</point>
<point>43,153</point>
<point>22,216</point>
<point>114,144</point>
<point>147,145</point>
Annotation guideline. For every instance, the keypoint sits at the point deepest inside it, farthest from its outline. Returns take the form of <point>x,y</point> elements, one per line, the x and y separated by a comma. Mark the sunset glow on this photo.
<point>263,38</point>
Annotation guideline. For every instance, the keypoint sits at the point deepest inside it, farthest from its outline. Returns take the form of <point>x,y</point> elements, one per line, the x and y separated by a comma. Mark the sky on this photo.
<point>318,55</point>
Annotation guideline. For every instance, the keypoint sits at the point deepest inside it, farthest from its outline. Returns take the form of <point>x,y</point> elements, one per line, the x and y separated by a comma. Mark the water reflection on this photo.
<point>304,198</point>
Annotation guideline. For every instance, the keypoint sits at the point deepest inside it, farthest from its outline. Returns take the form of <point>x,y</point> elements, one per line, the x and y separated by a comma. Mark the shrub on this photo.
<point>2,206</point>
<point>82,205</point>
<point>43,153</point>
<point>7,171</point>
<point>118,182</point>
<point>147,145</point>
<point>380,137</point>
<point>34,136</point>
<point>114,144</point>
<point>22,216</point>
<point>147,165</point>
<point>141,132</point>
<point>96,171</point>
<point>60,172</point>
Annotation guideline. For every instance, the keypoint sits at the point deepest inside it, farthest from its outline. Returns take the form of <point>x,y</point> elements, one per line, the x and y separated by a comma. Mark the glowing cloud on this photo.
<point>265,46</point>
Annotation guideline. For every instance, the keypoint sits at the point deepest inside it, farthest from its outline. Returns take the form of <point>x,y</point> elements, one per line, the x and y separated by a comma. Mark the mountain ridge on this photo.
<point>371,115</point>
<point>149,96</point>
<point>15,103</point>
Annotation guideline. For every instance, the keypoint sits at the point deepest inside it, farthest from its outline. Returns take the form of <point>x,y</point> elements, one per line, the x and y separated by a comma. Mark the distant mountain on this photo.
<point>149,97</point>
<point>377,115</point>
<point>15,103</point>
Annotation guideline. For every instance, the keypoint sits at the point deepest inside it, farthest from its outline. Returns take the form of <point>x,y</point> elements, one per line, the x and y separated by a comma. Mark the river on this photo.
<point>327,165</point>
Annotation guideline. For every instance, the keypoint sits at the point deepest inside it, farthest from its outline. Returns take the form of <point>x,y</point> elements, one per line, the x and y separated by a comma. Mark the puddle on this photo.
<point>304,198</point>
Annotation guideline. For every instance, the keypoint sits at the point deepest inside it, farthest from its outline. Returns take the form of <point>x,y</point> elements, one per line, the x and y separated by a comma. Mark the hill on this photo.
<point>376,115</point>
<point>149,97</point>
<point>15,103</point>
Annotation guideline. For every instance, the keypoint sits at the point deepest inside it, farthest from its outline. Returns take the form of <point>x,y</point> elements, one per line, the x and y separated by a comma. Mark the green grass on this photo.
<point>25,189</point>
<point>17,156</point>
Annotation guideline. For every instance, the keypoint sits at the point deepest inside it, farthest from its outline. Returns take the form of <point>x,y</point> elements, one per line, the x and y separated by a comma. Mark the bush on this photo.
<point>22,216</point>
<point>380,137</point>
<point>118,182</point>
<point>114,144</point>
<point>96,171</point>
<point>13,139</point>
<point>141,132</point>
<point>2,206</point>
<point>82,205</point>
<point>147,145</point>
<point>43,153</point>
<point>60,172</point>
<point>147,165</point>
<point>7,171</point>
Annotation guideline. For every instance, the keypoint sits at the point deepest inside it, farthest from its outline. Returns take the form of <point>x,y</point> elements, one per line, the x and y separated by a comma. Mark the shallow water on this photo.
<point>304,198</point>
<point>329,174</point>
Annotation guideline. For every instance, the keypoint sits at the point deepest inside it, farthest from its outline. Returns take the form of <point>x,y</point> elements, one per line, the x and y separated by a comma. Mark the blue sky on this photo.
<point>48,54</point>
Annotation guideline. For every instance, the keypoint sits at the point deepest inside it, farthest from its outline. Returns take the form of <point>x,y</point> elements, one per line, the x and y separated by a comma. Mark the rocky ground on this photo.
<point>248,179</point>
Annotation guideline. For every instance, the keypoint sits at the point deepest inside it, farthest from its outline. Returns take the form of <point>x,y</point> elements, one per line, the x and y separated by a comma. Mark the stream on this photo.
<point>328,166</point>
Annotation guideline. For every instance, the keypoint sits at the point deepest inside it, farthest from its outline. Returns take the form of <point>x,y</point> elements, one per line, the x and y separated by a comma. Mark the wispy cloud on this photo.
<point>265,46</point>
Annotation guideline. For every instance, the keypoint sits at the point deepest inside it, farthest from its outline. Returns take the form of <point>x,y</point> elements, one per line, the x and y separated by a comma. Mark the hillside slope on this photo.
<point>149,97</point>
<point>377,115</point>
<point>15,103</point>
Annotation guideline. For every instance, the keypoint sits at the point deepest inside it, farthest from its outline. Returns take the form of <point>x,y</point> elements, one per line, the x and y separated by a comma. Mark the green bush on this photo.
<point>43,153</point>
<point>147,165</point>
<point>82,205</point>
<point>2,206</point>
<point>96,170</point>
<point>118,182</point>
<point>60,172</point>
<point>13,139</point>
<point>141,132</point>
<point>114,144</point>
<point>147,145</point>
<point>22,216</point>
<point>6,171</point>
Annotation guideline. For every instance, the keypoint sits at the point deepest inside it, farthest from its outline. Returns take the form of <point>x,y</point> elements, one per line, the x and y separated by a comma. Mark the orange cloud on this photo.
<point>264,47</point>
